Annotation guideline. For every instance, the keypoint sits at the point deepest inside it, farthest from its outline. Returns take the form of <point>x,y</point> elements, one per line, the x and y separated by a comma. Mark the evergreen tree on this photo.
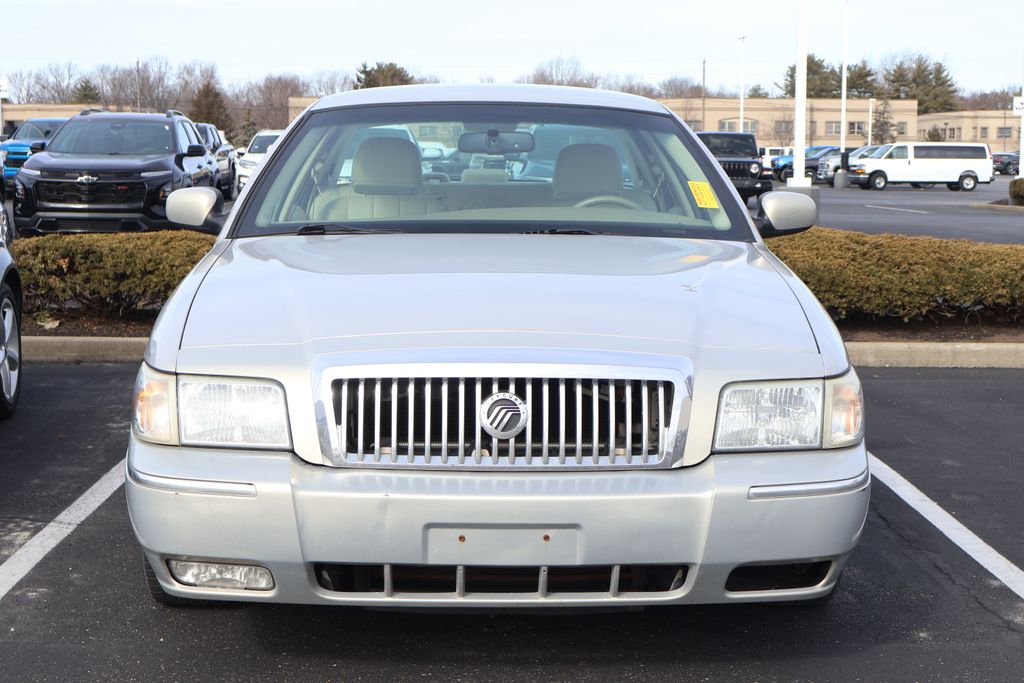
<point>883,128</point>
<point>247,130</point>
<point>934,134</point>
<point>381,74</point>
<point>86,92</point>
<point>758,91</point>
<point>861,80</point>
<point>208,106</point>
<point>823,80</point>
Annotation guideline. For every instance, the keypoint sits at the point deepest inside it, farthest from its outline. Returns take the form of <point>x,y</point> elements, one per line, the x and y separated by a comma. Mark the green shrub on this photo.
<point>113,275</point>
<point>853,273</point>
<point>1017,191</point>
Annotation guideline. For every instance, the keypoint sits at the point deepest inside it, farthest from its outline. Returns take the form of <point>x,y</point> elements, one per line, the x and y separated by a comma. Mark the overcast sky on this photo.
<point>464,40</point>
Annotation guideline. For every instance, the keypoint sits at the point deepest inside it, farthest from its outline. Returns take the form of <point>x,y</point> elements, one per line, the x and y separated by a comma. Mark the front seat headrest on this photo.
<point>587,170</point>
<point>387,166</point>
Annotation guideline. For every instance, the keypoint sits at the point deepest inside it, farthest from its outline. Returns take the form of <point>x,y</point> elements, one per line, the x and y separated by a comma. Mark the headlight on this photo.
<point>755,169</point>
<point>209,411</point>
<point>3,157</point>
<point>154,409</point>
<point>155,174</point>
<point>224,411</point>
<point>790,415</point>
<point>165,191</point>
<point>856,167</point>
<point>246,163</point>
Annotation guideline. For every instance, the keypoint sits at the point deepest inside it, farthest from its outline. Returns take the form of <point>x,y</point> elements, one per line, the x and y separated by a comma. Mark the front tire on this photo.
<point>878,181</point>
<point>968,183</point>
<point>953,187</point>
<point>10,351</point>
<point>230,189</point>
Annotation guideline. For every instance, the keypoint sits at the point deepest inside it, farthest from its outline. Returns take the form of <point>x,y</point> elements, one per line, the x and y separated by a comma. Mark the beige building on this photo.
<point>771,119</point>
<point>998,127</point>
<point>16,114</point>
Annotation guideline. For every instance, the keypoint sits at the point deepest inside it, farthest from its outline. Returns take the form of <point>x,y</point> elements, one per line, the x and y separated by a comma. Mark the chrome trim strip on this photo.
<point>175,485</point>
<point>820,488</point>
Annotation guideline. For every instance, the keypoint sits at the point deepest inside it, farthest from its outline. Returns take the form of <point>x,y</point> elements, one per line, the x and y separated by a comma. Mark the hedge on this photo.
<point>1017,191</point>
<point>909,278</point>
<point>852,274</point>
<point>112,275</point>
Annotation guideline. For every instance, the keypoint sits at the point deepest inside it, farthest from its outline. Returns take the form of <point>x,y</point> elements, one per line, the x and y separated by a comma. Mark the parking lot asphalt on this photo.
<point>934,212</point>
<point>912,606</point>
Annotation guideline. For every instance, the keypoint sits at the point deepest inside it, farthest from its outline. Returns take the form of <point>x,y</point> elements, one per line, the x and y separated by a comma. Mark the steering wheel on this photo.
<point>612,199</point>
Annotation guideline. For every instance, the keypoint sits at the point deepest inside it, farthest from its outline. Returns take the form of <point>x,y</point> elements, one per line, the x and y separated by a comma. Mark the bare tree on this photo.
<point>781,133</point>
<point>329,82</point>
<point>23,86</point>
<point>266,100</point>
<point>562,71</point>
<point>676,87</point>
<point>631,83</point>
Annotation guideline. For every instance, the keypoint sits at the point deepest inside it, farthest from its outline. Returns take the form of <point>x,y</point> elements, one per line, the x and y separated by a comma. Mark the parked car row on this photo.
<point>102,171</point>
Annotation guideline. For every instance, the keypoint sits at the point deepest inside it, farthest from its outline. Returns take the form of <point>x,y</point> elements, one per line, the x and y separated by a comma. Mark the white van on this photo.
<point>960,165</point>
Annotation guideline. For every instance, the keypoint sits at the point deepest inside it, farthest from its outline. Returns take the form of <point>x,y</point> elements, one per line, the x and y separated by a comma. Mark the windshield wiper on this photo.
<point>342,229</point>
<point>563,231</point>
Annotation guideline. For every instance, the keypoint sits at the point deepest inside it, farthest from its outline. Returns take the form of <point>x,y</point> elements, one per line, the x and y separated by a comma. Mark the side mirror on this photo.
<point>37,146</point>
<point>196,207</point>
<point>195,151</point>
<point>240,151</point>
<point>431,154</point>
<point>785,213</point>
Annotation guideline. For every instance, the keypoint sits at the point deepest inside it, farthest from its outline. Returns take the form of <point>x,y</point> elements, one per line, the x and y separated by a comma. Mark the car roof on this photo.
<point>490,93</point>
<point>127,116</point>
<point>269,131</point>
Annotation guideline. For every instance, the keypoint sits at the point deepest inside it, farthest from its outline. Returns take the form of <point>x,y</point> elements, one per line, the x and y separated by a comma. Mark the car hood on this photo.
<point>370,290</point>
<point>127,163</point>
<point>19,145</point>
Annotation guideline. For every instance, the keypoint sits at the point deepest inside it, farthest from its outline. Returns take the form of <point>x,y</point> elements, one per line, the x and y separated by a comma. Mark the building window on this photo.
<point>727,126</point>
<point>783,127</point>
<point>696,124</point>
<point>1002,132</point>
<point>983,132</point>
<point>901,128</point>
<point>856,128</point>
<point>750,127</point>
<point>833,127</point>
<point>428,131</point>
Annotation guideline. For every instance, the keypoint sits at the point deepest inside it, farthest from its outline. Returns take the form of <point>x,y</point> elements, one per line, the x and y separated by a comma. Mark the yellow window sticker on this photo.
<point>703,195</point>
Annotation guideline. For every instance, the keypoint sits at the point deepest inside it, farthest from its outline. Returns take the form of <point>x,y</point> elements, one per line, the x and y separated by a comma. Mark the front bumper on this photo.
<point>752,186</point>
<point>52,222</point>
<point>275,510</point>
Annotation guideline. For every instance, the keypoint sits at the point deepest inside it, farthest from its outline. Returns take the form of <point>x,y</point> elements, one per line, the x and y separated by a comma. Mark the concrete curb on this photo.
<point>997,207</point>
<point>83,349</point>
<point>863,354</point>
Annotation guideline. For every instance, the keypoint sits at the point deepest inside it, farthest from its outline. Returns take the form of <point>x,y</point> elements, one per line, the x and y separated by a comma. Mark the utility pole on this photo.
<point>840,180</point>
<point>138,85</point>
<point>743,85</point>
<point>1020,132</point>
<point>703,94</point>
<point>800,100</point>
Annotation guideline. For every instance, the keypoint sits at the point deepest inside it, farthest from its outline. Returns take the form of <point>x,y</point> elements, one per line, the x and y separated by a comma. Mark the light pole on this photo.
<point>871,116</point>
<point>840,180</point>
<point>743,85</point>
<point>800,100</point>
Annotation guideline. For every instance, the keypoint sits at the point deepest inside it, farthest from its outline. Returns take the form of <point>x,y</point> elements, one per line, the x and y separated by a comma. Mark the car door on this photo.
<point>897,165</point>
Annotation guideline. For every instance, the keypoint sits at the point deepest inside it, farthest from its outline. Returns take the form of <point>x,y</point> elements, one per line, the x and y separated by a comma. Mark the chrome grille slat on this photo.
<point>571,422</point>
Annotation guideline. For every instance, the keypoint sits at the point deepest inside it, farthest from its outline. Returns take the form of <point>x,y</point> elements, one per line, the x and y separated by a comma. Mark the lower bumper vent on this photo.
<point>773,577</point>
<point>456,581</point>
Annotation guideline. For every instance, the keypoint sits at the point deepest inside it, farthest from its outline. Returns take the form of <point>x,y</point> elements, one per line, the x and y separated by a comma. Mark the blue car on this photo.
<point>18,148</point>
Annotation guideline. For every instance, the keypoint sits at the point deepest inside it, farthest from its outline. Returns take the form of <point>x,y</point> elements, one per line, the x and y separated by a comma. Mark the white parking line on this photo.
<point>893,208</point>
<point>29,555</point>
<point>984,554</point>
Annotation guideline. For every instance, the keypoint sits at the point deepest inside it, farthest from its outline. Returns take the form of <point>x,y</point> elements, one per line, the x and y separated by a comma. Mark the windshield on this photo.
<point>729,145</point>
<point>821,152</point>
<point>514,168</point>
<point>112,136</point>
<point>39,129</point>
<point>260,143</point>
<point>880,152</point>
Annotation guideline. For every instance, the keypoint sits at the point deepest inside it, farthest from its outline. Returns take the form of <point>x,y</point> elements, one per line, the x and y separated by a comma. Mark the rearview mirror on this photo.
<point>496,142</point>
<point>196,207</point>
<point>785,213</point>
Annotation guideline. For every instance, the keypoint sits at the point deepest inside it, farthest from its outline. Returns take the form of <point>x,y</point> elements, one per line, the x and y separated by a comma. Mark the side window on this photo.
<point>899,152</point>
<point>183,138</point>
<point>193,136</point>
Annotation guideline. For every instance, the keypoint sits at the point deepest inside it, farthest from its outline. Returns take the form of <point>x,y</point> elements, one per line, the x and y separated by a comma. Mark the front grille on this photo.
<point>737,169</point>
<point>446,581</point>
<point>15,161</point>
<point>123,194</point>
<point>437,423</point>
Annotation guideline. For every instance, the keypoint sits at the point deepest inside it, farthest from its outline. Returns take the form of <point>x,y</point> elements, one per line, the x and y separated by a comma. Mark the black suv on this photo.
<point>737,153</point>
<point>109,172</point>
